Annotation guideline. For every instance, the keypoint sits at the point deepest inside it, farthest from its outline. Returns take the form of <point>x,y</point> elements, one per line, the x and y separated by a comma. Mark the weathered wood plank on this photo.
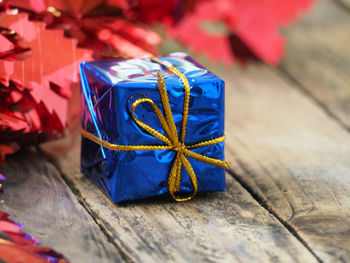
<point>216,227</point>
<point>292,156</point>
<point>318,57</point>
<point>36,196</point>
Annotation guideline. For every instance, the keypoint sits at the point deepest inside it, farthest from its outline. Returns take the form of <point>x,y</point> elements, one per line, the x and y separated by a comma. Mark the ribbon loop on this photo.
<point>148,128</point>
<point>171,139</point>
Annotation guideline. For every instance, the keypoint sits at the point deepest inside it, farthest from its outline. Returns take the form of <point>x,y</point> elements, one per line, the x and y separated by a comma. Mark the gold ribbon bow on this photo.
<point>171,139</point>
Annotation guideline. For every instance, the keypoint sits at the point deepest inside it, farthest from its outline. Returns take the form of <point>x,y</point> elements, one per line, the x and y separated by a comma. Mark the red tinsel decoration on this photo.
<point>17,246</point>
<point>37,67</point>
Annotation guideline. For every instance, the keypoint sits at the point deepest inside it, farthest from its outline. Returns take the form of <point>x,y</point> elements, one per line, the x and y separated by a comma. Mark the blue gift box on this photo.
<point>109,89</point>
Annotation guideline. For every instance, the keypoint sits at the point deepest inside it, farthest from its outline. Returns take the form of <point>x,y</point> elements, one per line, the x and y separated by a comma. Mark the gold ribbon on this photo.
<point>171,139</point>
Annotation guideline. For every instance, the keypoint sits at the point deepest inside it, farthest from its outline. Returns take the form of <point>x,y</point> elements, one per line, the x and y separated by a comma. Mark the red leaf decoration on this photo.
<point>189,31</point>
<point>151,11</point>
<point>286,12</point>
<point>254,22</point>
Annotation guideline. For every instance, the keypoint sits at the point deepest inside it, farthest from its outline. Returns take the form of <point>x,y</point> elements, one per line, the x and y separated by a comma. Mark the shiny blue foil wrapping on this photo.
<point>108,90</point>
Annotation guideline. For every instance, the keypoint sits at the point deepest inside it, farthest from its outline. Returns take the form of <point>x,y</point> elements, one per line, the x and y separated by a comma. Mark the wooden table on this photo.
<point>288,187</point>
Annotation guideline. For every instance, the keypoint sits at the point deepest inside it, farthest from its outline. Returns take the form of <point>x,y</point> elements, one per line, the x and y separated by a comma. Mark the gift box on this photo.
<point>152,126</point>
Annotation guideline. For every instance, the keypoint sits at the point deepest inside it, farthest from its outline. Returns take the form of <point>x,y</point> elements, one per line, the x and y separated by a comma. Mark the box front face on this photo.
<point>139,174</point>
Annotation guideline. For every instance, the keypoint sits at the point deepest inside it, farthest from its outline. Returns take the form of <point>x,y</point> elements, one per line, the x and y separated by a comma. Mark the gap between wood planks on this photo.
<point>327,109</point>
<point>297,85</point>
<point>263,203</point>
<point>249,173</point>
<point>343,4</point>
<point>251,191</point>
<point>317,67</point>
<point>326,106</point>
<point>124,254</point>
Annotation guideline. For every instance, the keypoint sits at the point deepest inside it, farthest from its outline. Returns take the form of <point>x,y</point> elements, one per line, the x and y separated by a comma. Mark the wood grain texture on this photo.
<point>216,227</point>
<point>318,57</point>
<point>292,156</point>
<point>37,197</point>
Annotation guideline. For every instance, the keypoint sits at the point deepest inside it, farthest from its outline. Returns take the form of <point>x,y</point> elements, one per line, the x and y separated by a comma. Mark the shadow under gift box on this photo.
<point>108,90</point>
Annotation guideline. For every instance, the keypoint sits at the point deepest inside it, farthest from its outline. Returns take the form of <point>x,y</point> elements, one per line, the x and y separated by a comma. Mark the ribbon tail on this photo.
<point>175,177</point>
<point>148,128</point>
<point>207,143</point>
<point>192,176</point>
<point>206,159</point>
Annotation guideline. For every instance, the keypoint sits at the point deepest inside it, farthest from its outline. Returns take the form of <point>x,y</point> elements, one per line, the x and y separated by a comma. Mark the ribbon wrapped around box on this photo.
<point>152,126</point>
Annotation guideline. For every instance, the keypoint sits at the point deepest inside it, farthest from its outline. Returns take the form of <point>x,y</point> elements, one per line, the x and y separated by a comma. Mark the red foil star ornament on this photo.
<point>52,59</point>
<point>37,68</point>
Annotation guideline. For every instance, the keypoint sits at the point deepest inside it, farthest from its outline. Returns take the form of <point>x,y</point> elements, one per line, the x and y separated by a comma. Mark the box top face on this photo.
<point>142,70</point>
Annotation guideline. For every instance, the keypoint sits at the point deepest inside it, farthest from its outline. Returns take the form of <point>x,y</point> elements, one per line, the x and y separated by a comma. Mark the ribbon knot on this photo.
<point>171,139</point>
<point>180,147</point>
